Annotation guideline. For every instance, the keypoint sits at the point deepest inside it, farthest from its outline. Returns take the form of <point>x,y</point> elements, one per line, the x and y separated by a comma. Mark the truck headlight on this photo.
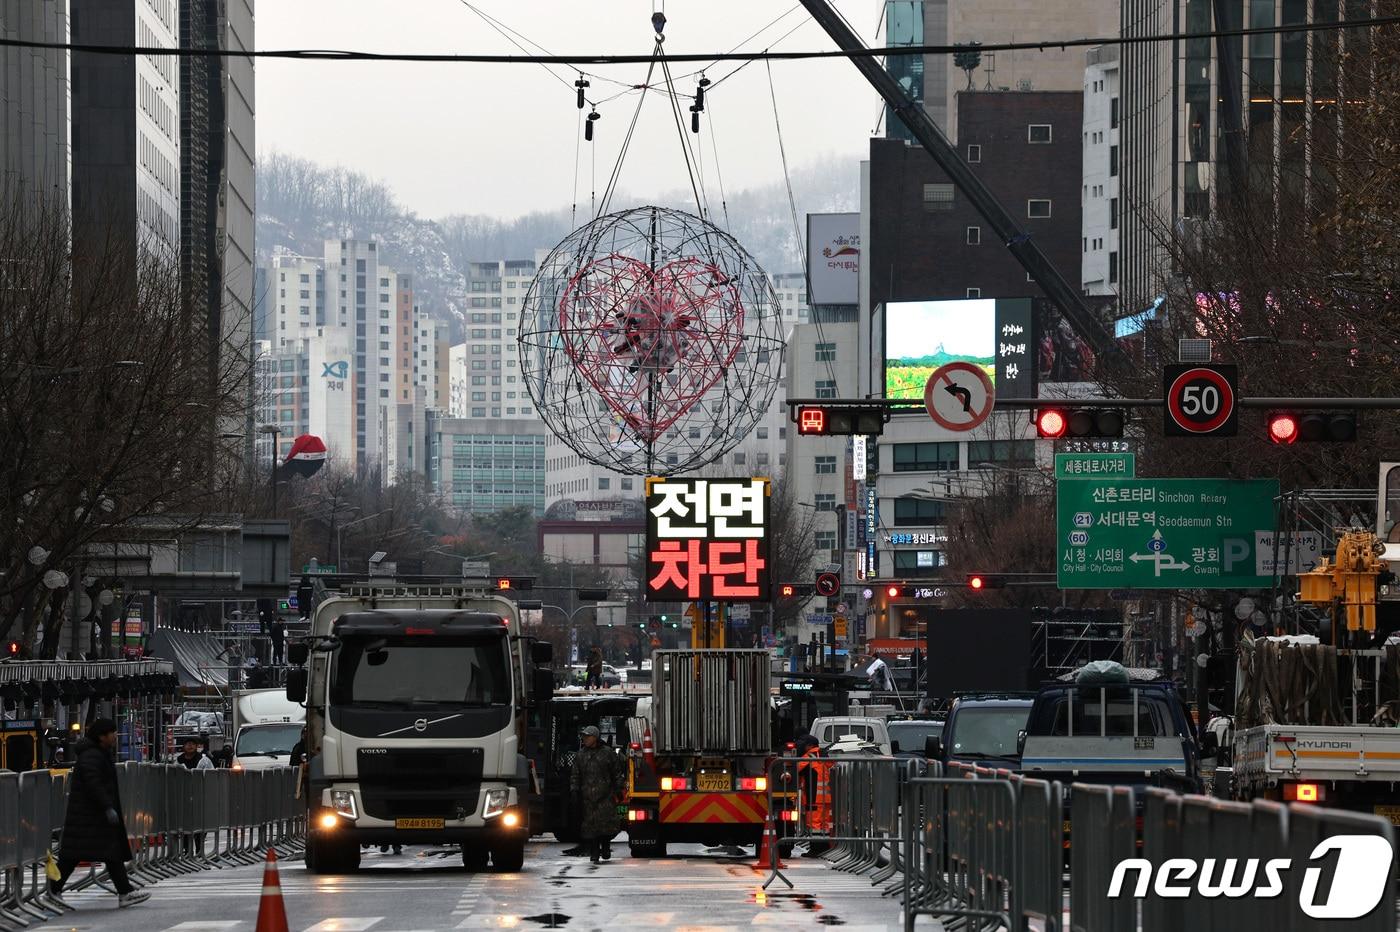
<point>343,802</point>
<point>496,801</point>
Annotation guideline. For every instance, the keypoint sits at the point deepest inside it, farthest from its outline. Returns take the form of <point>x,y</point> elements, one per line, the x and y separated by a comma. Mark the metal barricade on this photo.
<point>1102,833</point>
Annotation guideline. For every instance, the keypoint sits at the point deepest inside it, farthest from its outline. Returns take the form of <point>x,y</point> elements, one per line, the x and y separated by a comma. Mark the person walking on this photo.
<point>93,829</point>
<point>595,669</point>
<point>192,758</point>
<point>597,783</point>
<point>278,633</point>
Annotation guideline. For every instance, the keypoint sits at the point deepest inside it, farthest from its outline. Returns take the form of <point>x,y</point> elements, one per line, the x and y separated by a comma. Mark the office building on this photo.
<point>126,127</point>
<point>35,157</point>
<point>295,297</point>
<point>1099,192</point>
<point>361,299</point>
<point>937,80</point>
<point>482,466</point>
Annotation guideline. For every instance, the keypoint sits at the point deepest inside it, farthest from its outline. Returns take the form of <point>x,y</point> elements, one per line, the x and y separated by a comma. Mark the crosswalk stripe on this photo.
<point>204,925</point>
<point>339,924</point>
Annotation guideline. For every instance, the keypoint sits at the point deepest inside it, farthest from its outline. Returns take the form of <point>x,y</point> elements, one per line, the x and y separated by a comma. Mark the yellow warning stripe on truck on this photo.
<point>1286,754</point>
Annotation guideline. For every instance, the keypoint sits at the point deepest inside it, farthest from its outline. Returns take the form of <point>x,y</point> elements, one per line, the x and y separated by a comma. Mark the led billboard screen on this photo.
<point>995,334</point>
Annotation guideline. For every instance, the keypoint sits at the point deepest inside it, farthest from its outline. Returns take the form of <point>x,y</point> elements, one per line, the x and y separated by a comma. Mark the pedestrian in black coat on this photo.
<point>93,829</point>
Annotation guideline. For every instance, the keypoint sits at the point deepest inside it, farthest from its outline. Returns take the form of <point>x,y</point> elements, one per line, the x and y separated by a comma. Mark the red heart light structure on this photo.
<point>651,342</point>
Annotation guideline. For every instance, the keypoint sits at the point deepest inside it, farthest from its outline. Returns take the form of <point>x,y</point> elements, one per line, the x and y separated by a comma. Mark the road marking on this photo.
<point>339,924</point>
<point>205,925</point>
<point>655,920</point>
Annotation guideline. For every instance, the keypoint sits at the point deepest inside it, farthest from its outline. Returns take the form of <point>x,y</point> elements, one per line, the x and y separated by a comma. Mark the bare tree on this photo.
<point>112,396</point>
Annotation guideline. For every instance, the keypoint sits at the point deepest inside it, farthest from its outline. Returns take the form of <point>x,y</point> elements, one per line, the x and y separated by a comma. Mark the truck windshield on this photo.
<point>910,735</point>
<point>988,731</point>
<point>419,671</point>
<point>267,740</point>
<point>1111,712</point>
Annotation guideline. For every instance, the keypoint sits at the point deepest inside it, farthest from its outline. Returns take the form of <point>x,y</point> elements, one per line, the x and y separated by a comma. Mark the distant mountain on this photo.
<point>302,203</point>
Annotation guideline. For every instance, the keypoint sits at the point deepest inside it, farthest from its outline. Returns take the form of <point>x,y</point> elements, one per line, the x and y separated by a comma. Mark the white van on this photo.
<point>831,729</point>
<point>266,726</point>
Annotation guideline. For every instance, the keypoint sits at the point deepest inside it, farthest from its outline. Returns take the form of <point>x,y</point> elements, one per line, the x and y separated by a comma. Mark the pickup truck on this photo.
<point>1134,734</point>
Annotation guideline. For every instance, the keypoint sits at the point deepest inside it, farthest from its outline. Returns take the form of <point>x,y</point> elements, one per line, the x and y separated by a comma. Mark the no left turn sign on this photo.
<point>1199,401</point>
<point>959,396</point>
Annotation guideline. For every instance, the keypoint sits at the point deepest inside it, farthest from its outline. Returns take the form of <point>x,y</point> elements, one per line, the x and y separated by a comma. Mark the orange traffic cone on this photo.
<point>648,750</point>
<point>765,852</point>
<point>272,914</point>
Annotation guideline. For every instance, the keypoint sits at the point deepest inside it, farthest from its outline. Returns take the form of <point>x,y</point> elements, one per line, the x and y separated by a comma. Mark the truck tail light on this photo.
<point>674,783</point>
<point>753,784</point>
<point>1304,792</point>
<point>638,815</point>
<point>789,815</point>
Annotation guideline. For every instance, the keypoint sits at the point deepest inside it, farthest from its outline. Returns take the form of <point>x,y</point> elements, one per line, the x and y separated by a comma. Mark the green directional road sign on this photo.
<point>1095,465</point>
<point>1165,533</point>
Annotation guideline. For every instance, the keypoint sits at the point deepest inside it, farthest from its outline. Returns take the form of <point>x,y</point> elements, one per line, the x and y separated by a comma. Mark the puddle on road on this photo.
<point>830,920</point>
<point>550,920</point>
<point>774,900</point>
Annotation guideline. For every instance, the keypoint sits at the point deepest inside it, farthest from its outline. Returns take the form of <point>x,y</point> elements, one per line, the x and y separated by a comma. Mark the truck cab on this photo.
<point>266,726</point>
<point>1121,733</point>
<point>833,728</point>
<point>416,699</point>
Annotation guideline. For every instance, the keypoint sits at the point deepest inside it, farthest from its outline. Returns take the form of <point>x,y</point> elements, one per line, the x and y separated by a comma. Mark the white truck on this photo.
<point>1313,740</point>
<point>416,700</point>
<point>266,727</point>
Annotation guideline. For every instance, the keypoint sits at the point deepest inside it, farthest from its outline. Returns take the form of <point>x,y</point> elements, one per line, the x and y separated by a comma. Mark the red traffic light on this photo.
<point>1051,423</point>
<point>975,582</point>
<point>503,583</point>
<point>787,590</point>
<point>12,648</point>
<point>1283,427</point>
<point>811,421</point>
<point>894,592</point>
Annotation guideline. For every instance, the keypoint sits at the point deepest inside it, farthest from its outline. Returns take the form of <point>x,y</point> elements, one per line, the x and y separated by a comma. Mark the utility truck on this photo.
<point>416,700</point>
<point>707,781</point>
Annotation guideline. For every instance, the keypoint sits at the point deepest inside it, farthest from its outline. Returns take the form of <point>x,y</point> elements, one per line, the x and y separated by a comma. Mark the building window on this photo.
<point>826,352</point>
<point>739,459</point>
<point>1112,161</point>
<point>938,197</point>
<point>603,483</point>
<point>1001,453</point>
<point>974,292</point>
<point>1038,133</point>
<point>825,501</point>
<point>1113,268</point>
<point>1038,208</point>
<point>974,236</point>
<point>1113,213</point>
<point>825,465</point>
<point>974,154</point>
<point>824,540</point>
<point>1113,113</point>
<point>923,457</point>
<point>914,512</point>
<point>626,485</point>
<point>826,388</point>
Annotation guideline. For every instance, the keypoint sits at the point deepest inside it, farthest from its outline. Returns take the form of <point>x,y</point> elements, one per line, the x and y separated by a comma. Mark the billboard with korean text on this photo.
<point>707,539</point>
<point>833,258</point>
<point>995,334</point>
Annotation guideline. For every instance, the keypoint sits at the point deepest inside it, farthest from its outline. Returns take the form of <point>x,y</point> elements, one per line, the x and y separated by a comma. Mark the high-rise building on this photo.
<point>962,22</point>
<point>484,465</point>
<point>126,126</point>
<point>34,101</point>
<point>1099,194</point>
<point>361,298</point>
<point>217,168</point>
<point>1178,124</point>
<point>295,297</point>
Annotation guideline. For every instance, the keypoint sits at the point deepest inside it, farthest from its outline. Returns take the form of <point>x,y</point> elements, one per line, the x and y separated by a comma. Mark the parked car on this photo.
<point>909,737</point>
<point>982,728</point>
<point>578,675</point>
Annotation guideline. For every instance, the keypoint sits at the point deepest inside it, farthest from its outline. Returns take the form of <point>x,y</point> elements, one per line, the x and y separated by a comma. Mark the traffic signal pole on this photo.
<point>1020,243</point>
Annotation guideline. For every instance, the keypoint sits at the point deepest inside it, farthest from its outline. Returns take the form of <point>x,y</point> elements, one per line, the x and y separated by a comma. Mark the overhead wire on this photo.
<point>339,55</point>
<point>700,203</point>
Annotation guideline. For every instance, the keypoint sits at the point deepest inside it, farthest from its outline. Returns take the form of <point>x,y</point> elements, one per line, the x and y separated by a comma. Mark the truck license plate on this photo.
<point>418,823</point>
<point>1388,812</point>
<point>713,783</point>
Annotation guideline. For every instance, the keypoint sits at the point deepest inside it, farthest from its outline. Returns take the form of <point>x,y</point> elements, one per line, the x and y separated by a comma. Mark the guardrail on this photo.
<point>177,820</point>
<point>980,848</point>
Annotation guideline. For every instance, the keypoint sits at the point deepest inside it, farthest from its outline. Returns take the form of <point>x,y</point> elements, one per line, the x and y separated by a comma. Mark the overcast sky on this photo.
<point>500,139</point>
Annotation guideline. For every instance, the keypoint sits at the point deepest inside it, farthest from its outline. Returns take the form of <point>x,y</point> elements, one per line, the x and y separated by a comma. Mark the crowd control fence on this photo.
<point>981,849</point>
<point>177,820</point>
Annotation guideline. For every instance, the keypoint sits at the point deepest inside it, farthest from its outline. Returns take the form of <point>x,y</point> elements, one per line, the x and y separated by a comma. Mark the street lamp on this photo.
<point>340,533</point>
<point>275,431</point>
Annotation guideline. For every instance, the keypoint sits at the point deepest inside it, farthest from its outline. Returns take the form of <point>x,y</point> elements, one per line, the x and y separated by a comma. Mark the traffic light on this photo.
<point>12,649</point>
<point>1053,423</point>
<point>979,582</point>
<point>787,591</point>
<point>592,595</point>
<point>897,592</point>
<point>1287,427</point>
<point>518,583</point>
<point>844,421</point>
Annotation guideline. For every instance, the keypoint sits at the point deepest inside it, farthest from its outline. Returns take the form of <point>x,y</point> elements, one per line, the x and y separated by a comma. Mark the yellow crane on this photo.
<point>1350,579</point>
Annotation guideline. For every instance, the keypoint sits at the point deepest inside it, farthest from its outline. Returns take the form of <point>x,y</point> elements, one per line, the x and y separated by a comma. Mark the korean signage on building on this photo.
<point>915,539</point>
<point>1015,348</point>
<point>707,539</point>
<point>833,258</point>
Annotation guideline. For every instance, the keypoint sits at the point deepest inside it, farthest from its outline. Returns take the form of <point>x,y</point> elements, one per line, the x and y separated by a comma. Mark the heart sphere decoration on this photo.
<point>651,342</point>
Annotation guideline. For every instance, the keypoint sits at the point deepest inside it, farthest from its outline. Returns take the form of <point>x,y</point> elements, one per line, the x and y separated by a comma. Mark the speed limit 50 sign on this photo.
<point>1200,401</point>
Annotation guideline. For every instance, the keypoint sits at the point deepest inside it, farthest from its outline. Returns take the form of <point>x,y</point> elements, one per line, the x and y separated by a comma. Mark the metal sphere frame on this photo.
<point>651,342</point>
